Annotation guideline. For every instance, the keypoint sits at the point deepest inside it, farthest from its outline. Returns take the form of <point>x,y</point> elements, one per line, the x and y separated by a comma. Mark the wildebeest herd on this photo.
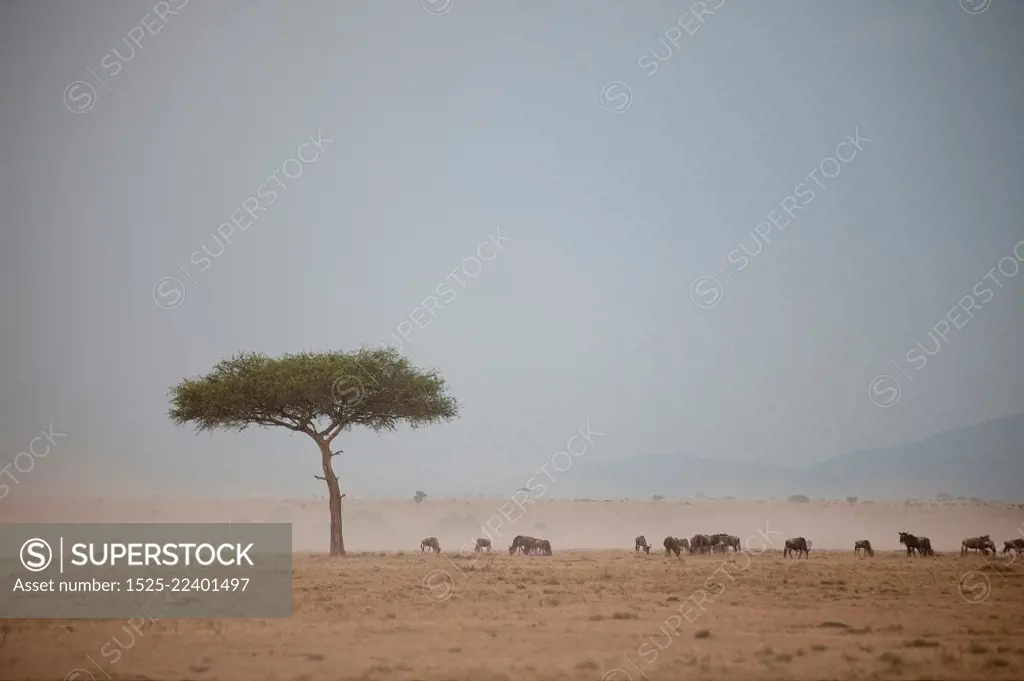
<point>721,543</point>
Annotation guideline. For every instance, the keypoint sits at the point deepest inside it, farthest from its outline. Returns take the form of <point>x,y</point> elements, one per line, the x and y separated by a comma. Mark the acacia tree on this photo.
<point>319,394</point>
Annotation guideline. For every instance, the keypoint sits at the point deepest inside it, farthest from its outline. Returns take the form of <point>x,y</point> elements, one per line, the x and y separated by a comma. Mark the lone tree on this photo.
<point>319,394</point>
<point>419,497</point>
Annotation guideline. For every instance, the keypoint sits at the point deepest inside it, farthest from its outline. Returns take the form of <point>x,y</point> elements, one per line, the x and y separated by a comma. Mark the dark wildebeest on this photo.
<point>543,547</point>
<point>684,544</point>
<point>430,543</point>
<point>700,543</point>
<point>672,544</point>
<point>863,545</point>
<point>797,544</point>
<point>982,543</point>
<point>922,545</point>
<point>522,544</point>
<point>1013,545</point>
<point>483,543</point>
<point>641,543</point>
<point>727,540</point>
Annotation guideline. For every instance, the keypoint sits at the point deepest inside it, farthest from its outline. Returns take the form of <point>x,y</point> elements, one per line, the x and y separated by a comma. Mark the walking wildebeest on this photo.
<point>641,543</point>
<point>797,544</point>
<point>483,543</point>
<point>522,544</point>
<point>922,545</point>
<point>430,543</point>
<point>672,544</point>
<point>1013,545</point>
<point>684,544</point>
<point>982,543</point>
<point>863,545</point>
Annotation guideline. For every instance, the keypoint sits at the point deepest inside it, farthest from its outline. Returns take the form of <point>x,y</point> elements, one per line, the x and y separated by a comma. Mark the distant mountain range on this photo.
<point>984,460</point>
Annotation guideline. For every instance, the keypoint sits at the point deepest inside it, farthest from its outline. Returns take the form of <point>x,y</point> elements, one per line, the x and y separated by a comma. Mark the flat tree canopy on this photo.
<point>319,394</point>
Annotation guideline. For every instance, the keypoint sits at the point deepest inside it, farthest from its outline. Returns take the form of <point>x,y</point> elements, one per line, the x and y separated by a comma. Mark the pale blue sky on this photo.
<point>490,115</point>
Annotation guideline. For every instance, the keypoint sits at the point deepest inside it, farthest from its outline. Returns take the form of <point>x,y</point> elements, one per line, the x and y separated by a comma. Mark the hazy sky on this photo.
<point>439,124</point>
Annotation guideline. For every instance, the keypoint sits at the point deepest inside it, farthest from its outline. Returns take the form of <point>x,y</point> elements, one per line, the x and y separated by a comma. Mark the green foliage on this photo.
<point>320,394</point>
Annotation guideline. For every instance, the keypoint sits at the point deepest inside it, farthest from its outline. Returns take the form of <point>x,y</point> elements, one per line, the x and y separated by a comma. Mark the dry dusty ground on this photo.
<point>578,615</point>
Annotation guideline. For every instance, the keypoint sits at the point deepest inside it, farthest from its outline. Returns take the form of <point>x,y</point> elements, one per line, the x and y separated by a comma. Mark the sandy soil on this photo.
<point>592,614</point>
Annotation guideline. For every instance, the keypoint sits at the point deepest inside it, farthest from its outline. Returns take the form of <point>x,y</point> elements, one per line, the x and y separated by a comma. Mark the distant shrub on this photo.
<point>944,496</point>
<point>658,497</point>
<point>800,499</point>
<point>852,500</point>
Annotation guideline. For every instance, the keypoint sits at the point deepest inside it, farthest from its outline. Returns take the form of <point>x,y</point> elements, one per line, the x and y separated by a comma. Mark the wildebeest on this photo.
<point>522,544</point>
<point>729,541</point>
<point>863,545</point>
<point>982,543</point>
<point>922,545</point>
<point>483,543</point>
<point>543,547</point>
<point>700,543</point>
<point>430,543</point>
<point>797,544</point>
<point>1013,545</point>
<point>684,544</point>
<point>672,544</point>
<point>641,543</point>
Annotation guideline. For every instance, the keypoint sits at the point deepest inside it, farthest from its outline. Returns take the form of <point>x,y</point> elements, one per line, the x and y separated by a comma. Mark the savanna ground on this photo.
<point>591,614</point>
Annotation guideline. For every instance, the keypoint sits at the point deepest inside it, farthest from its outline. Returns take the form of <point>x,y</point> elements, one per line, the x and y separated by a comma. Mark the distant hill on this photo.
<point>984,460</point>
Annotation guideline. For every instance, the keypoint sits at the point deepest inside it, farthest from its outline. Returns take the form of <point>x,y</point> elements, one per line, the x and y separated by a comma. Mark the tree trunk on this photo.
<point>334,495</point>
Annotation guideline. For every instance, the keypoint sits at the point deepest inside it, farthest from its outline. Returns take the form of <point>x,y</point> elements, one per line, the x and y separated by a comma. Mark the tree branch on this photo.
<point>333,430</point>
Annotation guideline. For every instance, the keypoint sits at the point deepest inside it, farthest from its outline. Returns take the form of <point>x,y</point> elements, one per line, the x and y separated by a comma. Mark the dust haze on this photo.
<point>394,526</point>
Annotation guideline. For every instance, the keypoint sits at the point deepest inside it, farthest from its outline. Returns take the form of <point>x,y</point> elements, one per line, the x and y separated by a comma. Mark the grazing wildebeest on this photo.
<point>672,544</point>
<point>797,544</point>
<point>430,543</point>
<point>641,543</point>
<point>700,543</point>
<point>982,543</point>
<point>863,545</point>
<point>543,547</point>
<point>1013,545</point>
<point>483,543</point>
<point>522,544</point>
<point>922,545</point>
<point>684,544</point>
